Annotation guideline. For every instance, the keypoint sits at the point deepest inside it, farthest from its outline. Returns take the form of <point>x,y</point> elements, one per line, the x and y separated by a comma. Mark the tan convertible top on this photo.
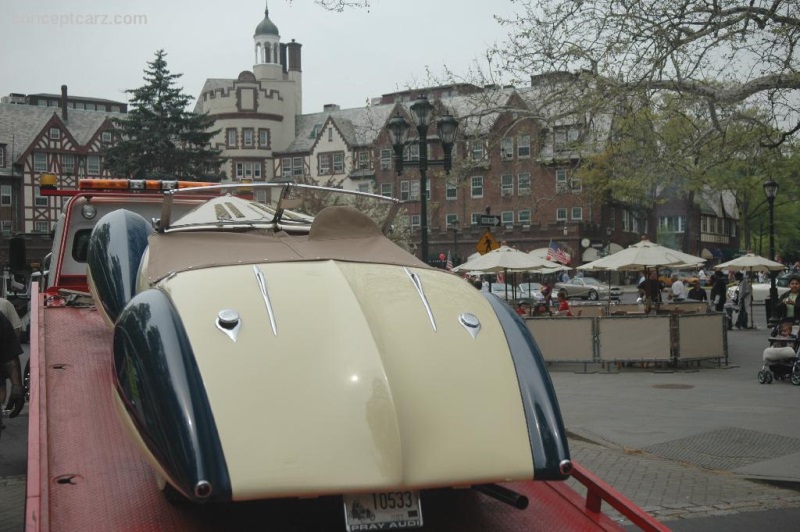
<point>337,233</point>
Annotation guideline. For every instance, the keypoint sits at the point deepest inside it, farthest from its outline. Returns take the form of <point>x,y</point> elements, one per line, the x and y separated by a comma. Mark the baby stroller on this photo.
<point>781,360</point>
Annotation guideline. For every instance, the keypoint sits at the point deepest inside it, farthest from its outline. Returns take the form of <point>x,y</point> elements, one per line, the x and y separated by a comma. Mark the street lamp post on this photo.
<point>454,226</point>
<point>771,190</point>
<point>398,131</point>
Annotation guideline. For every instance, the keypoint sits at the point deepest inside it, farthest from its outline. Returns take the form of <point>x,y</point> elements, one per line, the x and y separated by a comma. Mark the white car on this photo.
<point>761,290</point>
<point>534,291</point>
<point>508,292</point>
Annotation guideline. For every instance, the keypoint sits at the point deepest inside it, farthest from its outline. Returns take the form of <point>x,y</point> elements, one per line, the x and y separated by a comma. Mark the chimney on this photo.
<point>328,107</point>
<point>64,103</point>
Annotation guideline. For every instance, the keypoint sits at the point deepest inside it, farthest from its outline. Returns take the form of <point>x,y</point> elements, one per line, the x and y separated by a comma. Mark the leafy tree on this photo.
<point>159,138</point>
<point>731,55</point>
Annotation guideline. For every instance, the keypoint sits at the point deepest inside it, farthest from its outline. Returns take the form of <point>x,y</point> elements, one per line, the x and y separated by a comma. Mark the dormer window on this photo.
<point>55,133</point>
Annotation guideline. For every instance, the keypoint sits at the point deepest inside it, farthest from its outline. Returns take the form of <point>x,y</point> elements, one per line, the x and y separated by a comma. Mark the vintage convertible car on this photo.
<point>290,349</point>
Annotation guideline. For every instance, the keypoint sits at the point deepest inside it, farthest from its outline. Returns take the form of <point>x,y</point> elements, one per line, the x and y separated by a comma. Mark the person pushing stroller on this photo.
<point>780,358</point>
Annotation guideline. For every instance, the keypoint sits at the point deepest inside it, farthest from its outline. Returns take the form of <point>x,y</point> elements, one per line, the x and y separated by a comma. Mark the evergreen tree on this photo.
<point>159,138</point>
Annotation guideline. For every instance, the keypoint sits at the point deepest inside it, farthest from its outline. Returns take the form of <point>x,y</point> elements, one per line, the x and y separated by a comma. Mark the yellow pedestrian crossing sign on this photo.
<point>486,243</point>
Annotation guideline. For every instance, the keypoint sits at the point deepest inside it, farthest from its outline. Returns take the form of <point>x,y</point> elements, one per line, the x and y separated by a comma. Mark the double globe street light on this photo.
<point>446,128</point>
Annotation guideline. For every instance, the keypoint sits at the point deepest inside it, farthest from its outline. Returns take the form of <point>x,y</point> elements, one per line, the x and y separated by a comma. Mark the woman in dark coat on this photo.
<point>788,306</point>
<point>718,291</point>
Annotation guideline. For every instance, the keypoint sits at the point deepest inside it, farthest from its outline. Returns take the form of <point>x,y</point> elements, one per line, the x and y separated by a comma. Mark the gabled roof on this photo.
<point>359,126</point>
<point>720,203</point>
<point>21,124</point>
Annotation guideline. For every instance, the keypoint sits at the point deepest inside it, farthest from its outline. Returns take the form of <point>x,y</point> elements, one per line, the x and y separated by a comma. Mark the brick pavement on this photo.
<point>671,490</point>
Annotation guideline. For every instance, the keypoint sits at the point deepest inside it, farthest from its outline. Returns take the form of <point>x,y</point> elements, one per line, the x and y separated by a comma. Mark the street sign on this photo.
<point>490,221</point>
<point>486,243</point>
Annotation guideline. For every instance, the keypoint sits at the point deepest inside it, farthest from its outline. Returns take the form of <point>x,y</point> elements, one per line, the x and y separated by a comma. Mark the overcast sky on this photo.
<point>99,48</point>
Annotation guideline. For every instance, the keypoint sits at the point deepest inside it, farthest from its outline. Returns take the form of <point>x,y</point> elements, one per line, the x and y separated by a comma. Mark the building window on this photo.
<point>105,137</point>
<point>507,149</point>
<point>577,213</point>
<point>231,142</point>
<point>324,163</point>
<point>38,200</point>
<point>507,185</point>
<point>39,161</point>
<point>477,150</point>
<point>115,109</point>
<point>477,186</point>
<point>405,190</point>
<point>247,138</point>
<point>450,220</point>
<point>386,159</point>
<point>415,190</point>
<point>524,147</point>
<point>524,217</point>
<point>6,226</point>
<point>338,162</point>
<point>263,138</point>
<point>5,195</point>
<point>41,227</point>
<point>93,165</point>
<point>560,140</point>
<point>561,180</point>
<point>561,214</point>
<point>330,134</point>
<point>364,160</point>
<point>364,187</point>
<point>386,190</point>
<point>68,163</point>
<point>297,167</point>
<point>524,184</point>
<point>415,221</point>
<point>248,170</point>
<point>286,167</point>
<point>451,191</point>
<point>2,156</point>
<point>575,185</point>
<point>672,224</point>
<point>55,133</point>
<point>78,105</point>
<point>507,218</point>
<point>475,218</point>
<point>411,152</point>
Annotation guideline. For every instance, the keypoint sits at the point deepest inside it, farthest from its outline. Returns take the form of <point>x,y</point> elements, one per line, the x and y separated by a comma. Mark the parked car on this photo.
<point>509,292</point>
<point>534,291</point>
<point>761,290</point>
<point>588,288</point>
<point>688,278</point>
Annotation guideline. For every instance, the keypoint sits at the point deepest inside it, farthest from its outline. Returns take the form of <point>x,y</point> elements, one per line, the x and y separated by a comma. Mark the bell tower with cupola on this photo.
<point>267,41</point>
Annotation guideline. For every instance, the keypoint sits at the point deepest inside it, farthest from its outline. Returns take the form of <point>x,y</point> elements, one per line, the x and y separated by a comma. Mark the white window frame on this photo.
<point>231,138</point>
<point>263,138</point>
<point>450,191</point>
<point>507,185</point>
<point>386,159</point>
<point>386,190</point>
<point>524,147</point>
<point>507,148</point>
<point>411,152</point>
<point>405,190</point>
<point>507,218</point>
<point>524,183</point>
<point>575,185</point>
<point>297,167</point>
<point>561,214</point>
<point>5,195</point>
<point>364,160</point>
<point>247,137</point>
<point>6,226</point>
<point>524,217</point>
<point>38,199</point>
<point>55,133</point>
<point>92,164</point>
<point>449,219</point>
<point>324,163</point>
<point>39,161</point>
<point>415,190</point>
<point>562,182</point>
<point>576,213</point>
<point>338,162</point>
<point>415,221</point>
<point>476,188</point>
<point>475,218</point>
<point>105,137</point>
<point>365,187</point>
<point>286,167</point>
<point>41,226</point>
<point>477,150</point>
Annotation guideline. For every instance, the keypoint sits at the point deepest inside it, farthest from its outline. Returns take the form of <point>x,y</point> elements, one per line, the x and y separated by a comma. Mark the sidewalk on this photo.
<point>688,443</point>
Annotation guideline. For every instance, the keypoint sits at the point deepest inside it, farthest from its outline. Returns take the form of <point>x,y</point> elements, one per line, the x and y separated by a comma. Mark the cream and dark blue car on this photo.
<point>288,348</point>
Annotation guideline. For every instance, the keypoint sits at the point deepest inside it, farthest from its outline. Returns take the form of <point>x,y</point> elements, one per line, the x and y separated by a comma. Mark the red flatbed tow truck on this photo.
<point>84,472</point>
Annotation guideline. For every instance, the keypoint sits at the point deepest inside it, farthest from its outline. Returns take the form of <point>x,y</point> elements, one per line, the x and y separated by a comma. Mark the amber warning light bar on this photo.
<point>48,185</point>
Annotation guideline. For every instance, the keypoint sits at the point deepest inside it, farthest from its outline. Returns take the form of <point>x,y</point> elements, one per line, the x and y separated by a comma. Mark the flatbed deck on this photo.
<point>84,473</point>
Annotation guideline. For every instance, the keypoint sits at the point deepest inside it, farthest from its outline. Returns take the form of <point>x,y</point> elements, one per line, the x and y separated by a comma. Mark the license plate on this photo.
<point>382,511</point>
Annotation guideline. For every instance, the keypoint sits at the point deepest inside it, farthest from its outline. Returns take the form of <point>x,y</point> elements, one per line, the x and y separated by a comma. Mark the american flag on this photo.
<point>449,265</point>
<point>554,252</point>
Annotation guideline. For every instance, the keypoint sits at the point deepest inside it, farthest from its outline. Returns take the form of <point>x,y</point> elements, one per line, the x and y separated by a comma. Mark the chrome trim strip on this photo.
<point>262,285</point>
<point>418,285</point>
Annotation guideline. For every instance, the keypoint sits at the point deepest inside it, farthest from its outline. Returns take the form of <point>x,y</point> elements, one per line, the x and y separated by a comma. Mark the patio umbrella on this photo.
<point>644,254</point>
<point>750,263</point>
<point>503,259</point>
